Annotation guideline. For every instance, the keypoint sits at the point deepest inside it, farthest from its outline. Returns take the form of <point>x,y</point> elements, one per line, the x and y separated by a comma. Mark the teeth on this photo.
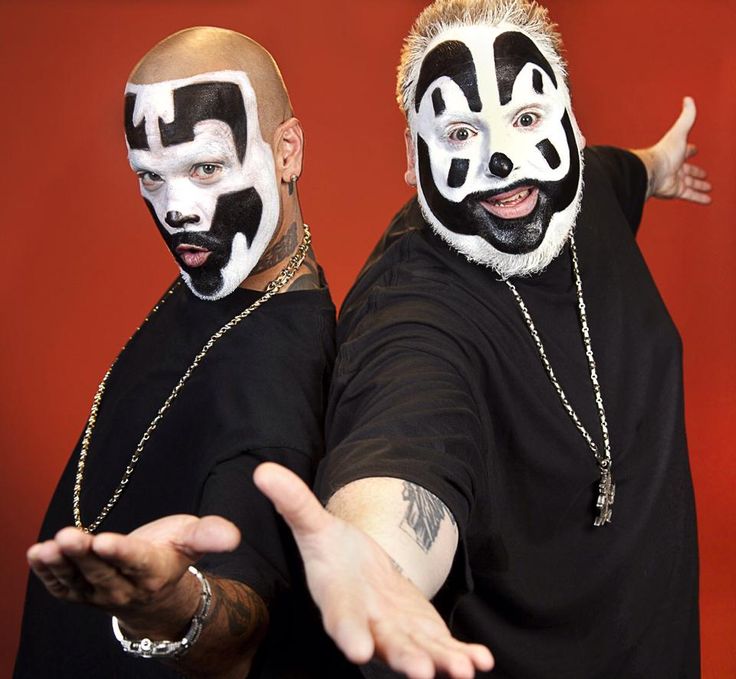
<point>516,198</point>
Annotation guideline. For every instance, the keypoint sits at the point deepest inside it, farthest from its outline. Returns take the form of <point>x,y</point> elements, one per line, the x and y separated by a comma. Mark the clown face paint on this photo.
<point>207,176</point>
<point>496,148</point>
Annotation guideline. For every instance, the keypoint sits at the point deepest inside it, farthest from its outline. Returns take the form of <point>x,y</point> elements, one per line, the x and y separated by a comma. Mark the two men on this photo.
<point>505,430</point>
<point>228,370</point>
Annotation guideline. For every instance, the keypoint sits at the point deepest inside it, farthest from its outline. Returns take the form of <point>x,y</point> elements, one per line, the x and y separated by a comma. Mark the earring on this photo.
<point>292,183</point>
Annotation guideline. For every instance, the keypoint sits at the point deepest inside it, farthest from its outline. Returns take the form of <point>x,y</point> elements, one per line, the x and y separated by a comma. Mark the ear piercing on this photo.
<point>292,183</point>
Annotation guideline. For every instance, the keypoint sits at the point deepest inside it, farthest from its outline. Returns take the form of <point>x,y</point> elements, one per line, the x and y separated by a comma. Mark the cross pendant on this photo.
<point>606,495</point>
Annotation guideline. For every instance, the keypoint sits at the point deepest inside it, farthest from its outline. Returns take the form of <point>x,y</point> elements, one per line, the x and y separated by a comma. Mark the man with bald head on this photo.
<point>227,371</point>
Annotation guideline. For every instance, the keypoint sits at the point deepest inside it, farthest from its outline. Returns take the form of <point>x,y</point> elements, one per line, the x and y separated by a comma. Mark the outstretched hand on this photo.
<point>139,577</point>
<point>368,607</point>
<point>670,175</point>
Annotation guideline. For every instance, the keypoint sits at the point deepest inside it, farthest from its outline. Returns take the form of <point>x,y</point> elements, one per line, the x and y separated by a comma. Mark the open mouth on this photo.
<point>192,255</point>
<point>519,202</point>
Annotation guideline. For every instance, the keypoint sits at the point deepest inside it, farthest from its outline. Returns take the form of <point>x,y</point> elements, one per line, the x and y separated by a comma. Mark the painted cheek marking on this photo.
<point>458,172</point>
<point>206,101</point>
<point>512,51</point>
<point>550,153</point>
<point>537,82</point>
<point>454,60</point>
<point>438,103</point>
<point>135,134</point>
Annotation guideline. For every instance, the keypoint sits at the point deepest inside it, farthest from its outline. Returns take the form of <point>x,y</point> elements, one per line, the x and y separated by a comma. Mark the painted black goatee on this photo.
<point>236,212</point>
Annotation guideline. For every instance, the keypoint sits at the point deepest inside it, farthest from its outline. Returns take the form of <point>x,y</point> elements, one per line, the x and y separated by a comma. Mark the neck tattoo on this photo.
<point>606,486</point>
<point>286,274</point>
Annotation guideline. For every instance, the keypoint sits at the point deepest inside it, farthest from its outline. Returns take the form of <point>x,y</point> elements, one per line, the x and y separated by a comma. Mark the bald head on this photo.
<point>205,49</point>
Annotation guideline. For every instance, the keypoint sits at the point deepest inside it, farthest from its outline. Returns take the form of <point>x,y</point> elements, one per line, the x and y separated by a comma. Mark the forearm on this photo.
<point>411,524</point>
<point>234,627</point>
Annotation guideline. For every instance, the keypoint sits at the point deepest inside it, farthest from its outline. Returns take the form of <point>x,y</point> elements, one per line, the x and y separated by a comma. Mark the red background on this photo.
<point>83,263</point>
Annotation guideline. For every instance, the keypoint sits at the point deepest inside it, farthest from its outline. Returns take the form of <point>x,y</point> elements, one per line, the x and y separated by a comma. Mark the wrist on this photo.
<point>167,616</point>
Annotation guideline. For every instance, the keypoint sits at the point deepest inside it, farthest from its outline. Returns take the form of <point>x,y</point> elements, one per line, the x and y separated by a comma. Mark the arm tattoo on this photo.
<point>278,251</point>
<point>424,515</point>
<point>244,612</point>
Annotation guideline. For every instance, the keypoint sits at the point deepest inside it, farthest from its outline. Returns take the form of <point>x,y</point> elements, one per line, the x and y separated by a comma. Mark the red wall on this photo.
<point>84,263</point>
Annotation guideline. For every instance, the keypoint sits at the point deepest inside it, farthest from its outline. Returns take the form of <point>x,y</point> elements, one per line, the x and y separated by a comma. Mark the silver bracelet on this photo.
<point>148,648</point>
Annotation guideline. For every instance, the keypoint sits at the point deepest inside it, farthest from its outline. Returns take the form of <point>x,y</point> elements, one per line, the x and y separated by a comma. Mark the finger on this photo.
<point>38,556</point>
<point>690,150</point>
<point>292,498</point>
<point>400,652</point>
<point>697,184</point>
<point>447,655</point>
<point>694,170</point>
<point>102,576</point>
<point>351,633</point>
<point>696,197</point>
<point>133,557</point>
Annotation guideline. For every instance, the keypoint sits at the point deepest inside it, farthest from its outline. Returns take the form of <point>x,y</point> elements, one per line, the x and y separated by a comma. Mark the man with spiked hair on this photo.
<point>227,371</point>
<point>505,431</point>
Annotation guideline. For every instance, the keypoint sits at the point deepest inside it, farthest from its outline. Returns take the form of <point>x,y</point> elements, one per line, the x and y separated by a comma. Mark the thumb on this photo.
<point>209,534</point>
<point>292,499</point>
<point>686,119</point>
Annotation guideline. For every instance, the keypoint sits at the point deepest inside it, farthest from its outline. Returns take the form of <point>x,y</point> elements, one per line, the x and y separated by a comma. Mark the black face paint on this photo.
<point>550,153</point>
<point>511,236</point>
<point>454,60</point>
<point>512,51</point>
<point>135,134</point>
<point>500,165</point>
<point>458,172</point>
<point>236,212</point>
<point>537,83</point>
<point>438,103</point>
<point>206,101</point>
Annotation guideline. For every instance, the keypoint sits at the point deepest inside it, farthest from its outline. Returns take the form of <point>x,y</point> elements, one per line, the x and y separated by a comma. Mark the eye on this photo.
<point>206,172</point>
<point>150,180</point>
<point>527,119</point>
<point>461,133</point>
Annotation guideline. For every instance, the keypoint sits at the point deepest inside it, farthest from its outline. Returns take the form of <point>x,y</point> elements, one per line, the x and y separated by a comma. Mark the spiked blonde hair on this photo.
<point>527,15</point>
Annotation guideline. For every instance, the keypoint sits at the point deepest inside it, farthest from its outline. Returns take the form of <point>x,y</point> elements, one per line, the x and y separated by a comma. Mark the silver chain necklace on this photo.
<point>286,274</point>
<point>606,486</point>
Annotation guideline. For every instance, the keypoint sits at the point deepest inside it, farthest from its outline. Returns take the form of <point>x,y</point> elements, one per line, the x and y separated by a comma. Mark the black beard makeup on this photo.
<point>497,158</point>
<point>207,176</point>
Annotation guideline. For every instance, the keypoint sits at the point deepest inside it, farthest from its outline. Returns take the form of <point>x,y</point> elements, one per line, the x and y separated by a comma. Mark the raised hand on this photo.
<point>670,176</point>
<point>368,607</point>
<point>141,577</point>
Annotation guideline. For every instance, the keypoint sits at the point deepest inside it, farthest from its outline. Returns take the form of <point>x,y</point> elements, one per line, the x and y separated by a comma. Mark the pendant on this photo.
<point>606,495</point>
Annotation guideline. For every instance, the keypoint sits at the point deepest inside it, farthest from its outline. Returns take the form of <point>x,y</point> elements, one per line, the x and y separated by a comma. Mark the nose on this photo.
<point>500,165</point>
<point>176,220</point>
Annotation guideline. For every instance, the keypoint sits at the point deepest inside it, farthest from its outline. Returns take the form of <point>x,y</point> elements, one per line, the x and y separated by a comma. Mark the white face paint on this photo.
<point>206,174</point>
<point>497,148</point>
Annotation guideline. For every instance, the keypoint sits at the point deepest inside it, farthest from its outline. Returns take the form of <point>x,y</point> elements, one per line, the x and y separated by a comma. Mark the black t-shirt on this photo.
<point>438,381</point>
<point>259,394</point>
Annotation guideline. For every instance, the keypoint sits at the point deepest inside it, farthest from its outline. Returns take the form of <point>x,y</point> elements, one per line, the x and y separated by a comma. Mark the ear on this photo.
<point>410,176</point>
<point>288,150</point>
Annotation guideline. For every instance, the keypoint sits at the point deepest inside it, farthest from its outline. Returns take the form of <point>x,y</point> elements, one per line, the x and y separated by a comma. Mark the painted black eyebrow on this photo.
<point>453,59</point>
<point>511,52</point>
<point>206,101</point>
<point>135,134</point>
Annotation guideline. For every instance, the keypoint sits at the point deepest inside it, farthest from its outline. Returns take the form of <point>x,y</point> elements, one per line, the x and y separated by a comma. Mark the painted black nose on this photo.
<point>500,165</point>
<point>176,220</point>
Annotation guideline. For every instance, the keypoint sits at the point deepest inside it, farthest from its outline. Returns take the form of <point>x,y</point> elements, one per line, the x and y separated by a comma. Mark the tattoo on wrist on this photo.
<point>424,515</point>
<point>244,611</point>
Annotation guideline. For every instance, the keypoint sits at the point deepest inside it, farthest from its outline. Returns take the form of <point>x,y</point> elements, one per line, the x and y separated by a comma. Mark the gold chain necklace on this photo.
<point>286,274</point>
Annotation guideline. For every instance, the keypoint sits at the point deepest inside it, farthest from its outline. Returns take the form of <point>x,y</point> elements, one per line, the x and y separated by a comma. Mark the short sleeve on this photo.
<point>628,178</point>
<point>400,408</point>
<point>266,553</point>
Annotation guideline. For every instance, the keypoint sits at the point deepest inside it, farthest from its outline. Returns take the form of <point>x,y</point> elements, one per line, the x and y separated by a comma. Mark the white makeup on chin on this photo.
<point>207,175</point>
<point>497,154</point>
